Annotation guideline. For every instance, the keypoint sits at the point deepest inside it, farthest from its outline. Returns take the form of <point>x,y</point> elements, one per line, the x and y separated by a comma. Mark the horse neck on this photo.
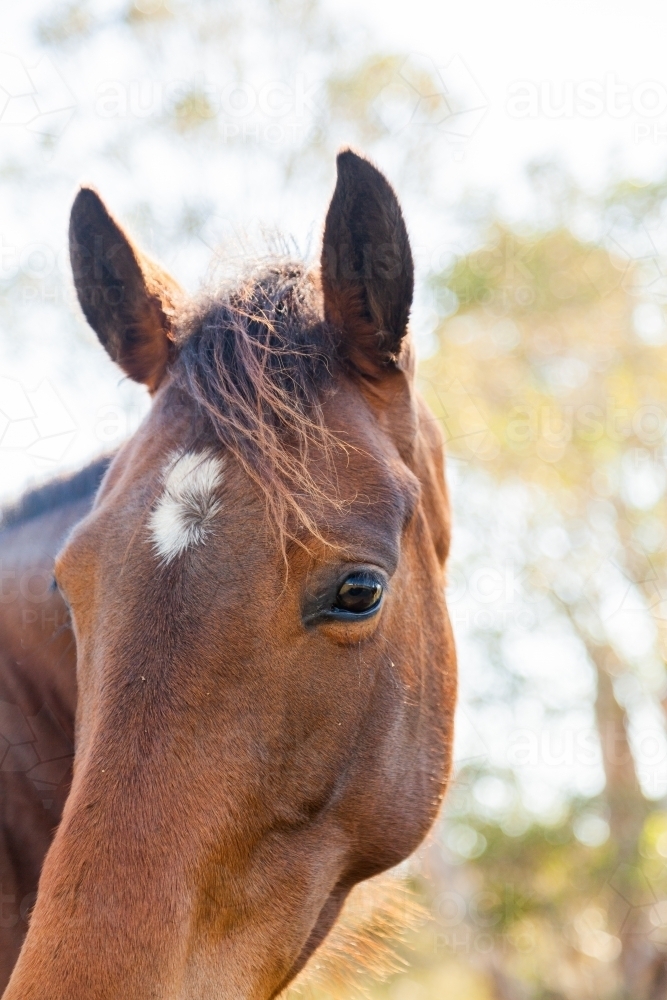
<point>37,656</point>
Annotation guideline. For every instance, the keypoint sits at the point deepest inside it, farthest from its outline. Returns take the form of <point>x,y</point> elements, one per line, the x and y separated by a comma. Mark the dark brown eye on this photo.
<point>359,593</point>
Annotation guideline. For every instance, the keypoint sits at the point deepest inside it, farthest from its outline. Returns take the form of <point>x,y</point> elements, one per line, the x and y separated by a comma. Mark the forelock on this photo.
<point>257,360</point>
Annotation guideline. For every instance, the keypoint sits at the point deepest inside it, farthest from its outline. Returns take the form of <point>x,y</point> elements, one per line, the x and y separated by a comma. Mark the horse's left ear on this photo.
<point>367,269</point>
<point>128,300</point>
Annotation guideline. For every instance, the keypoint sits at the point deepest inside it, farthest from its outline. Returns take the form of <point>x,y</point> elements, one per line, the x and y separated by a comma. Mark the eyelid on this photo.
<point>321,608</point>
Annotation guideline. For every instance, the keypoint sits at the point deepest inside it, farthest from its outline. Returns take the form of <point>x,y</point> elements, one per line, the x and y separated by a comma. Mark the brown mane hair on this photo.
<point>257,360</point>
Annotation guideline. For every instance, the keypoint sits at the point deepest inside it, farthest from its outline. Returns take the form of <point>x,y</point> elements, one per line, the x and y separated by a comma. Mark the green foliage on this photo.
<point>551,385</point>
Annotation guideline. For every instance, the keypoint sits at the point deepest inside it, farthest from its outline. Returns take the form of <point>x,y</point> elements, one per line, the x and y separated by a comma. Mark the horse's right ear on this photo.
<point>128,300</point>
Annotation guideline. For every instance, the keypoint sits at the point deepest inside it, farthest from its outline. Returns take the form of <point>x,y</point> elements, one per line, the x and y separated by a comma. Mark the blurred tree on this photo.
<point>551,383</point>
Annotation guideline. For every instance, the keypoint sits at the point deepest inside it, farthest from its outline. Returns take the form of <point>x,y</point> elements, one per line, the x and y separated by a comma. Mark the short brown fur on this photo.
<point>242,761</point>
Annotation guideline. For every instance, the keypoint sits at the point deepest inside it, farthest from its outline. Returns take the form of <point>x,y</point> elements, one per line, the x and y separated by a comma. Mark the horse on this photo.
<point>235,627</point>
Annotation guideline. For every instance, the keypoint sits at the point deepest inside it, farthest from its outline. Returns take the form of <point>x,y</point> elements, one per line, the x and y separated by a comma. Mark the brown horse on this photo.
<point>264,677</point>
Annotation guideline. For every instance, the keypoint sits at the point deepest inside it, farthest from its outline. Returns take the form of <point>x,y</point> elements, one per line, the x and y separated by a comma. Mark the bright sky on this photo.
<point>613,50</point>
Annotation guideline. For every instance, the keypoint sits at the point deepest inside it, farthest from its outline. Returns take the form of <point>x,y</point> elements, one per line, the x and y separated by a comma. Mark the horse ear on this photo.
<point>127,299</point>
<point>367,269</point>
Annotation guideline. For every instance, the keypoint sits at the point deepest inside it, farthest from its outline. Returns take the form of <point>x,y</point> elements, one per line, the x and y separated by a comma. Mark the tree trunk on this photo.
<point>642,965</point>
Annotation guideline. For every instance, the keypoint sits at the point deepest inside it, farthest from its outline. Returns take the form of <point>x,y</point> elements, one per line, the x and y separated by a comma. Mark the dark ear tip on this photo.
<point>87,195</point>
<point>349,161</point>
<point>348,155</point>
<point>86,202</point>
<point>356,169</point>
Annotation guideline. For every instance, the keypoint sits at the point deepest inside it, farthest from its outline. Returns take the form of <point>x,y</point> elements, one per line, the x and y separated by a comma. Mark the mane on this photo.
<point>55,494</point>
<point>258,360</point>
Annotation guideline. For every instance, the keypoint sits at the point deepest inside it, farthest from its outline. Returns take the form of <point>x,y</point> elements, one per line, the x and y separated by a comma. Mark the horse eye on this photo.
<point>360,592</point>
